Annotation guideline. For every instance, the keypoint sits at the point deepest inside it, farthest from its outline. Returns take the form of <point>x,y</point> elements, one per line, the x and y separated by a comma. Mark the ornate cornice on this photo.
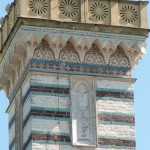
<point>69,46</point>
<point>127,13</point>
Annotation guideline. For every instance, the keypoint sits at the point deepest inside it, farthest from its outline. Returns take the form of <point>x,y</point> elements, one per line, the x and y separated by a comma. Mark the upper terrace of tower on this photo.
<point>122,13</point>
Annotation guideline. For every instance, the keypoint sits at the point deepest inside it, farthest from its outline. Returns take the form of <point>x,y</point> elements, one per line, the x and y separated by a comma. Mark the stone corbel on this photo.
<point>108,49</point>
<point>83,47</point>
<point>58,45</point>
<point>31,44</point>
<point>5,82</point>
<point>134,54</point>
<point>10,74</point>
<point>17,63</point>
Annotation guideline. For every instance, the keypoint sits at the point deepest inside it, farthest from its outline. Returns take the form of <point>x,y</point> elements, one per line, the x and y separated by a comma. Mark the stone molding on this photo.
<point>68,46</point>
<point>128,13</point>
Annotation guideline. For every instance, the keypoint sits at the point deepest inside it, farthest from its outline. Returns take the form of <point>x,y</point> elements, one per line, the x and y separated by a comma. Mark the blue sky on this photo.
<point>142,99</point>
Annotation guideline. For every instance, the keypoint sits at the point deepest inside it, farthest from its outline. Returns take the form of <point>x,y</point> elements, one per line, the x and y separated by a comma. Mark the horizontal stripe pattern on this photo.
<point>115,94</point>
<point>12,144</point>
<point>108,106</point>
<point>47,137</point>
<point>67,139</point>
<point>116,130</point>
<point>46,113</point>
<point>125,119</point>
<point>12,121</point>
<point>114,85</point>
<point>12,132</point>
<point>46,90</point>
<point>116,142</point>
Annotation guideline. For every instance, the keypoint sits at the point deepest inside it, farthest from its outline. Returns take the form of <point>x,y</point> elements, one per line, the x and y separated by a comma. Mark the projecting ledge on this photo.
<point>105,12</point>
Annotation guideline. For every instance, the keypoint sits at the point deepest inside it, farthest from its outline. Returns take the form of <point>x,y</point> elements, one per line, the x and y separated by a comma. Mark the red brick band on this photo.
<point>12,144</point>
<point>12,121</point>
<point>47,113</point>
<point>116,142</point>
<point>125,119</point>
<point>46,90</point>
<point>47,137</point>
<point>115,94</point>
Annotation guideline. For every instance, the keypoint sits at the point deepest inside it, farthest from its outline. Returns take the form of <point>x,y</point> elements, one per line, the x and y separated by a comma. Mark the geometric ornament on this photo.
<point>99,10</point>
<point>69,8</point>
<point>129,14</point>
<point>38,6</point>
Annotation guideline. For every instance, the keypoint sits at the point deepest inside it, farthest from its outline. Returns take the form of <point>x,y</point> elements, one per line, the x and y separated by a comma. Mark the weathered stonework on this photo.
<point>65,66</point>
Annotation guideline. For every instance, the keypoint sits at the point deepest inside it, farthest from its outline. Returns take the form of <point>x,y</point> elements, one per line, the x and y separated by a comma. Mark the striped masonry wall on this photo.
<point>11,116</point>
<point>115,114</point>
<point>46,114</point>
<point>46,110</point>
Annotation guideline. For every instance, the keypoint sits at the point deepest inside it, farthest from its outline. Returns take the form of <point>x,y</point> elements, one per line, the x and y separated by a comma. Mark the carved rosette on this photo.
<point>38,6</point>
<point>99,11</point>
<point>69,9</point>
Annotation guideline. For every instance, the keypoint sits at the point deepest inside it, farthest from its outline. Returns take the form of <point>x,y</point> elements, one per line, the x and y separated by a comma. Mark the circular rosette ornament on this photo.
<point>129,14</point>
<point>38,6</point>
<point>69,8</point>
<point>99,11</point>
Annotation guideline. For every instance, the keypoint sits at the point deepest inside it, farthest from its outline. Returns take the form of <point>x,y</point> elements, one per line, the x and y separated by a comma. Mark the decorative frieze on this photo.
<point>69,9</point>
<point>128,13</point>
<point>99,11</point>
<point>38,7</point>
<point>73,52</point>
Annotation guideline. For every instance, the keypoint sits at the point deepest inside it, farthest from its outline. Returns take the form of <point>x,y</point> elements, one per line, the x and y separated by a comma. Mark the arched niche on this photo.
<point>83,112</point>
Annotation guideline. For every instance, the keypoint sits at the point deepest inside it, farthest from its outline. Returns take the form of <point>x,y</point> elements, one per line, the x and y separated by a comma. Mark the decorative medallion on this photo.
<point>93,56</point>
<point>129,14</point>
<point>69,8</point>
<point>43,52</point>
<point>119,58</point>
<point>38,6</point>
<point>69,54</point>
<point>99,11</point>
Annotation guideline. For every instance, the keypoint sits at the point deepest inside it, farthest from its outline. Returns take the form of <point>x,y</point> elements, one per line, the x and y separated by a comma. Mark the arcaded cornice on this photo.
<point>105,12</point>
<point>64,46</point>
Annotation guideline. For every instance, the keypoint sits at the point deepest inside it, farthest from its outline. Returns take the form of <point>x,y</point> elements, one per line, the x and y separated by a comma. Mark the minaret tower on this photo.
<point>65,66</point>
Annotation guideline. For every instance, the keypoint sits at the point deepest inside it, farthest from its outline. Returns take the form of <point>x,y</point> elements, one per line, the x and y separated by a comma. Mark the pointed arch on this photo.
<point>119,58</point>
<point>84,44</point>
<point>110,45</point>
<point>43,51</point>
<point>94,55</point>
<point>69,53</point>
<point>73,41</point>
<point>59,42</point>
<point>82,98</point>
<point>33,38</point>
<point>83,47</point>
<point>48,39</point>
<point>21,49</point>
<point>123,45</point>
<point>108,49</point>
<point>99,44</point>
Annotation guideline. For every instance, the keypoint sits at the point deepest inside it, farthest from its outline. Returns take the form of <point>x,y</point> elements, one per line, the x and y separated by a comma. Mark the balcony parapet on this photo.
<point>105,12</point>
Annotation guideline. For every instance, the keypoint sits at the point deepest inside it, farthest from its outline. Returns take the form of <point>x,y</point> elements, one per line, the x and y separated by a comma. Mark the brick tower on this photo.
<point>65,66</point>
